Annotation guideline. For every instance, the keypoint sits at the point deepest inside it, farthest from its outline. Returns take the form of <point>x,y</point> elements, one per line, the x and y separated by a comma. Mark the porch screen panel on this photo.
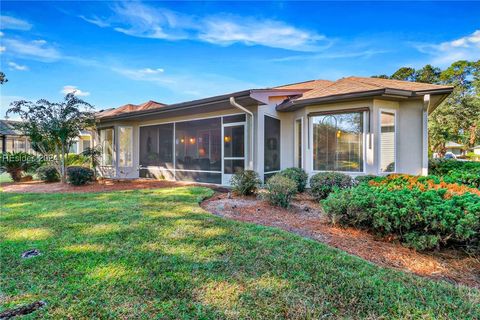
<point>271,145</point>
<point>338,142</point>
<point>198,145</point>
<point>387,142</point>
<point>156,146</point>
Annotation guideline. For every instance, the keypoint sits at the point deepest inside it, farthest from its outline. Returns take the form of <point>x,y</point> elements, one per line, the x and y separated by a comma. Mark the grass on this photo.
<point>156,254</point>
<point>5,177</point>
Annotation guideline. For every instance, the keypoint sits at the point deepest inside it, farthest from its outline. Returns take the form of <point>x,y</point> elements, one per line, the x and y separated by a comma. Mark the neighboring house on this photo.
<point>353,125</point>
<point>476,150</point>
<point>455,148</point>
<point>12,140</point>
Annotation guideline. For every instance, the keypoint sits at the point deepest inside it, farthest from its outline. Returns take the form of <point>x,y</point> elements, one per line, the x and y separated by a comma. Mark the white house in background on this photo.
<point>12,140</point>
<point>455,148</point>
<point>476,150</point>
<point>353,125</point>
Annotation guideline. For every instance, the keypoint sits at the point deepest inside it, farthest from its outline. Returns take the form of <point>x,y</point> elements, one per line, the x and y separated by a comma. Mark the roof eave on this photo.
<point>179,106</point>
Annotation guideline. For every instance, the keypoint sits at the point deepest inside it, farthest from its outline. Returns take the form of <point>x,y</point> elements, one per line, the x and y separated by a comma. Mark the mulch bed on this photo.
<point>306,218</point>
<point>97,186</point>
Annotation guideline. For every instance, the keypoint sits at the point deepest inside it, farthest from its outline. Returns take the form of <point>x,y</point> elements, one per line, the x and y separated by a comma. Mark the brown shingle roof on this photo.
<point>149,105</point>
<point>358,84</point>
<point>306,85</point>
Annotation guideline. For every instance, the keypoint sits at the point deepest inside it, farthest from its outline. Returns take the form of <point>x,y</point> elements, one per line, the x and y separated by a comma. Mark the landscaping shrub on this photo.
<point>76,160</point>
<point>298,175</point>
<point>365,178</point>
<point>48,174</point>
<point>17,163</point>
<point>280,190</point>
<point>323,183</point>
<point>245,182</point>
<point>79,175</point>
<point>464,172</point>
<point>419,214</point>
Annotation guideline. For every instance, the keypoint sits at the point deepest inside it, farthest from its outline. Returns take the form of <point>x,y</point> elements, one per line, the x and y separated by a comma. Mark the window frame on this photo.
<point>394,111</point>
<point>280,144</point>
<point>364,149</point>
<point>114,151</point>
<point>120,147</point>
<point>295,143</point>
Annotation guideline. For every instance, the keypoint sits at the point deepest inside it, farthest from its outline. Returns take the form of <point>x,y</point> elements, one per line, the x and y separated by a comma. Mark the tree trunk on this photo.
<point>63,165</point>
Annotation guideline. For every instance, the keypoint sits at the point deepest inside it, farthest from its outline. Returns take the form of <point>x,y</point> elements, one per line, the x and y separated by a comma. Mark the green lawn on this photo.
<point>155,254</point>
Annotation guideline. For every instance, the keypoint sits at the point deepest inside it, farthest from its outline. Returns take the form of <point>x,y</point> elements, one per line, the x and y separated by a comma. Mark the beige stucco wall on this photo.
<point>410,142</point>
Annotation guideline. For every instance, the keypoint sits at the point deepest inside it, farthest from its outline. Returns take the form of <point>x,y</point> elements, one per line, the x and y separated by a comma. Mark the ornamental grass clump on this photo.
<point>280,190</point>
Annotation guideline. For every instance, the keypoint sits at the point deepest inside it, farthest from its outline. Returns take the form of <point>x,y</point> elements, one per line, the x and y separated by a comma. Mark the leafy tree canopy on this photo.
<point>52,127</point>
<point>458,117</point>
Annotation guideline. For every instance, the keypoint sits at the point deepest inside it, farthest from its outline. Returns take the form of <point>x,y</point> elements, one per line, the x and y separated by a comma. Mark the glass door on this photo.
<point>234,141</point>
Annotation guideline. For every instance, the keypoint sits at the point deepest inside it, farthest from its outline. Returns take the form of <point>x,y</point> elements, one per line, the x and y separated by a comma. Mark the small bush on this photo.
<point>79,175</point>
<point>280,190</point>
<point>419,216</point>
<point>365,178</point>
<point>74,160</point>
<point>17,163</point>
<point>298,175</point>
<point>245,182</point>
<point>323,183</point>
<point>48,174</point>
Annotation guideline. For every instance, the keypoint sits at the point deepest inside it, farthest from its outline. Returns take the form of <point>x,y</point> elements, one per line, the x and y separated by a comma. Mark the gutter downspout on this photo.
<point>427,103</point>
<point>238,106</point>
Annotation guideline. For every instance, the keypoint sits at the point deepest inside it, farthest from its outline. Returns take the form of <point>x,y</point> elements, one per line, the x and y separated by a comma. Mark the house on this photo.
<point>353,125</point>
<point>455,148</point>
<point>476,150</point>
<point>12,140</point>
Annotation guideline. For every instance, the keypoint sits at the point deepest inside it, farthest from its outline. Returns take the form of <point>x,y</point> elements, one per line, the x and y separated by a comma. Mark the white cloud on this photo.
<point>139,20</point>
<point>197,85</point>
<point>38,49</point>
<point>151,71</point>
<point>102,23</point>
<point>8,22</point>
<point>1,34</point>
<point>464,48</point>
<point>15,66</point>
<point>75,91</point>
<point>2,49</point>
<point>269,33</point>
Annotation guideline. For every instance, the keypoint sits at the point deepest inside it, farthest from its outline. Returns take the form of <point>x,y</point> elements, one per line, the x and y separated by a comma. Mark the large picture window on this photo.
<point>338,142</point>
<point>387,141</point>
<point>106,143</point>
<point>272,145</point>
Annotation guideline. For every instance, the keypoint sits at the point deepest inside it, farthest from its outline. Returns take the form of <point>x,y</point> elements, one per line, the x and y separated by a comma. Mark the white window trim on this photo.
<point>131,144</point>
<point>394,111</point>
<point>364,148</point>
<point>295,142</point>
<point>114,152</point>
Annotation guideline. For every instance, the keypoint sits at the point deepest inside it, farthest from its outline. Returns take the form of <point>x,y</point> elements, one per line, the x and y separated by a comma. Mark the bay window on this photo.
<point>338,142</point>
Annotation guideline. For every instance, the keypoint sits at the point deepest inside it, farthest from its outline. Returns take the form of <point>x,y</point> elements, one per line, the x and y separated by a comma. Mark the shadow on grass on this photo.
<point>155,253</point>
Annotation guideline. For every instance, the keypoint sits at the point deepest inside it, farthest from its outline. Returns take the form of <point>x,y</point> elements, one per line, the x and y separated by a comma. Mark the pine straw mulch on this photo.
<point>103,185</point>
<point>306,218</point>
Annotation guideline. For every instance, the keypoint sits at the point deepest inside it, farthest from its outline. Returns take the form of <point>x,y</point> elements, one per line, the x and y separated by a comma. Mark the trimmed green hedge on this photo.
<point>419,217</point>
<point>454,171</point>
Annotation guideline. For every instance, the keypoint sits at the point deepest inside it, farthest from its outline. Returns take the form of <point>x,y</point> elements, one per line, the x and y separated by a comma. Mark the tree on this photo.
<point>94,154</point>
<point>458,117</point>
<point>52,127</point>
<point>404,73</point>
<point>3,78</point>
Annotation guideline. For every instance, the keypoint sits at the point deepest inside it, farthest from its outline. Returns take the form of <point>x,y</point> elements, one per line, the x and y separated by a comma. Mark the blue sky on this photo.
<point>114,53</point>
